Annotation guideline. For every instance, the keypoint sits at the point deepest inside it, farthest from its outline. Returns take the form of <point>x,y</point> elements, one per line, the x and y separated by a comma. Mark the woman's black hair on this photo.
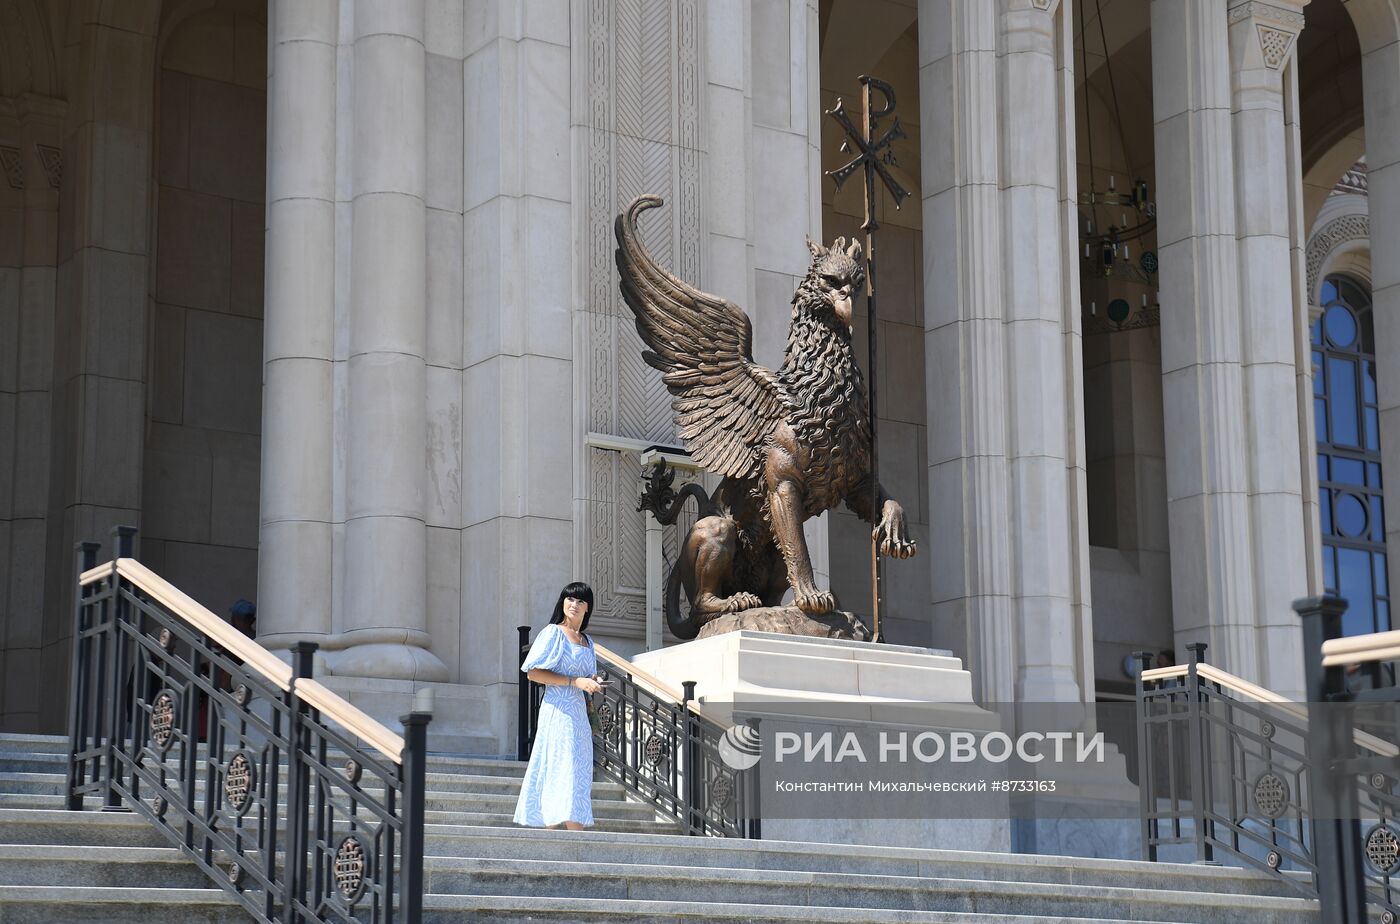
<point>579,591</point>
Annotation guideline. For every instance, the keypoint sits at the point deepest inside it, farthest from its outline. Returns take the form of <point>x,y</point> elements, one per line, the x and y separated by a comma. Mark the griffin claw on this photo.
<point>816,602</point>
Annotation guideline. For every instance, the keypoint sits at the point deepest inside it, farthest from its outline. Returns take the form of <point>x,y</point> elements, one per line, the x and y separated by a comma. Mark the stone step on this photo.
<point>19,762</point>
<point>89,905</point>
<point>100,905</point>
<point>55,748</point>
<point>649,848</point>
<point>102,866</point>
<point>618,876</point>
<point>446,784</point>
<point>444,810</point>
<point>518,843</point>
<point>50,825</point>
<point>61,827</point>
<point>58,866</point>
<point>14,741</point>
<point>498,909</point>
<point>647,882</point>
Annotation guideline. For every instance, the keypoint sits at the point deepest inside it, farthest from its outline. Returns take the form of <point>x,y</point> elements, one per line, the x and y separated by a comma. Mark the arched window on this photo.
<point>1349,455</point>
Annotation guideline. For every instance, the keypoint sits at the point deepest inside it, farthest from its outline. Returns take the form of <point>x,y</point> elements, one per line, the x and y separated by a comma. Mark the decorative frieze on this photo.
<point>1329,237</point>
<point>1284,18</point>
<point>52,160</point>
<point>1274,43</point>
<point>1354,181</point>
<point>13,165</point>
<point>1275,27</point>
<point>643,72</point>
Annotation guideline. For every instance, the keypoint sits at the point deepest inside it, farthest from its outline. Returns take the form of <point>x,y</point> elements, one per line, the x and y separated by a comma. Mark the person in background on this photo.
<point>243,615</point>
<point>558,785</point>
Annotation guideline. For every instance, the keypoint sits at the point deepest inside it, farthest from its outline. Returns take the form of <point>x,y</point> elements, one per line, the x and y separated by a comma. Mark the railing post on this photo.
<point>415,756</point>
<point>692,789</point>
<point>755,825</point>
<point>121,548</point>
<point>522,722</point>
<point>298,812</point>
<point>123,541</point>
<point>77,679</point>
<point>1200,786</point>
<point>1147,798</point>
<point>1335,812</point>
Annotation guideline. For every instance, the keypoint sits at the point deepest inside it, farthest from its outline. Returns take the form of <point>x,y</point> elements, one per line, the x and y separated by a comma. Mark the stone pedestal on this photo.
<point>820,684</point>
<point>840,684</point>
<point>856,679</point>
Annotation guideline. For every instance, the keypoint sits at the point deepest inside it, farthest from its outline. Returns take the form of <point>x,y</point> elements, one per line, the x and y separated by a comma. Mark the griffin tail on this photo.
<point>665,503</point>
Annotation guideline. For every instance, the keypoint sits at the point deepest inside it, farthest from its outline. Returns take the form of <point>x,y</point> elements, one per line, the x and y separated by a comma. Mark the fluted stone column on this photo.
<point>1001,346</point>
<point>385,603</point>
<point>295,535</point>
<point>1043,366</point>
<point>1302,332</point>
<point>964,340</point>
<point>1207,433</point>
<point>518,387</point>
<point>1261,37</point>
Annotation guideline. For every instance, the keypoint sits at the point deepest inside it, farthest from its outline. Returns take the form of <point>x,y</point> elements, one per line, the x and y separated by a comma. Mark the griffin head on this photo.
<point>833,278</point>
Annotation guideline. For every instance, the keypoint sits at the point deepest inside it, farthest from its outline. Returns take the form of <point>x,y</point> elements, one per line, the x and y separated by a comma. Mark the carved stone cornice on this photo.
<point>1284,17</point>
<point>1276,26</point>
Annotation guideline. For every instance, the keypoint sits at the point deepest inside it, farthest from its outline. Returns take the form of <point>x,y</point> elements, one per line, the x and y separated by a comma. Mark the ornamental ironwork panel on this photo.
<point>1232,776</point>
<point>1383,849</point>
<point>276,805</point>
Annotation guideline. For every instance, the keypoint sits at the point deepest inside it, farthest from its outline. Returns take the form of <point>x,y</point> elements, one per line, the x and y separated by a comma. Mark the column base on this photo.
<point>467,720</point>
<point>388,661</point>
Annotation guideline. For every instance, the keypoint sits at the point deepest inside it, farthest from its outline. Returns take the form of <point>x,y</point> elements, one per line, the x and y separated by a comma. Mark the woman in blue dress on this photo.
<point>558,783</point>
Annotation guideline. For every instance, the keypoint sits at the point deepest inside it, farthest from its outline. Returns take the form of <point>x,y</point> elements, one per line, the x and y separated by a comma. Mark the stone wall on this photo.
<point>200,478</point>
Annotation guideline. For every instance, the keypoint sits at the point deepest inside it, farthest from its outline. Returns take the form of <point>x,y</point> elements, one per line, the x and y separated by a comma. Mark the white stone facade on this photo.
<point>320,295</point>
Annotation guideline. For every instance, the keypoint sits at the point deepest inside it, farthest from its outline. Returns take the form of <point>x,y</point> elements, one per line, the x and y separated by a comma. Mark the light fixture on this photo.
<point>1120,315</point>
<point>1112,220</point>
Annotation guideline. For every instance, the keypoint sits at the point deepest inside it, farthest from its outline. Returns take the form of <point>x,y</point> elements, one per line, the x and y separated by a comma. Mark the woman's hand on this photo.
<point>586,684</point>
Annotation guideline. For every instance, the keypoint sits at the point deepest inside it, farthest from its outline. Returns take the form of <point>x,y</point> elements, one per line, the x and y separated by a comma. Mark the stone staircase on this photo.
<point>58,866</point>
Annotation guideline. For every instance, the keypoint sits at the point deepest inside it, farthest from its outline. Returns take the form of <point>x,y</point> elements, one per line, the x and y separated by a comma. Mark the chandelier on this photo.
<point>1108,248</point>
<point>1114,220</point>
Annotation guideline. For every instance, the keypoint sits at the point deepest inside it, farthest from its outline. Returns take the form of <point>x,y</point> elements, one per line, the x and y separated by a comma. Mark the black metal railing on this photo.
<point>285,795</point>
<point>1231,771</point>
<point>662,749</point>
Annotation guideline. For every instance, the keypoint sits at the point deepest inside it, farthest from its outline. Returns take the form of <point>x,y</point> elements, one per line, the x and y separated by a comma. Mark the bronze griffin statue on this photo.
<point>790,444</point>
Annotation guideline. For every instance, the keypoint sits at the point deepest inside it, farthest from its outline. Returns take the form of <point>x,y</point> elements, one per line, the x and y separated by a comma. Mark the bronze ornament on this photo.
<point>240,780</point>
<point>163,719</point>
<point>351,868</point>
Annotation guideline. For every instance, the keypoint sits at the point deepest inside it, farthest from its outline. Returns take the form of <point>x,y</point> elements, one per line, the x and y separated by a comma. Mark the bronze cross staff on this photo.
<point>874,154</point>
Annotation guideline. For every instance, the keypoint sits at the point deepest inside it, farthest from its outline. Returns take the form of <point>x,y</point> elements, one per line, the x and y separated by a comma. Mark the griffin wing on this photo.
<point>725,404</point>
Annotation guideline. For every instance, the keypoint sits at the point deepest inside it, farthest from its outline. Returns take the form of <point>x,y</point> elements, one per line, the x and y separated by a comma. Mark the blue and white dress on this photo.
<point>558,783</point>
